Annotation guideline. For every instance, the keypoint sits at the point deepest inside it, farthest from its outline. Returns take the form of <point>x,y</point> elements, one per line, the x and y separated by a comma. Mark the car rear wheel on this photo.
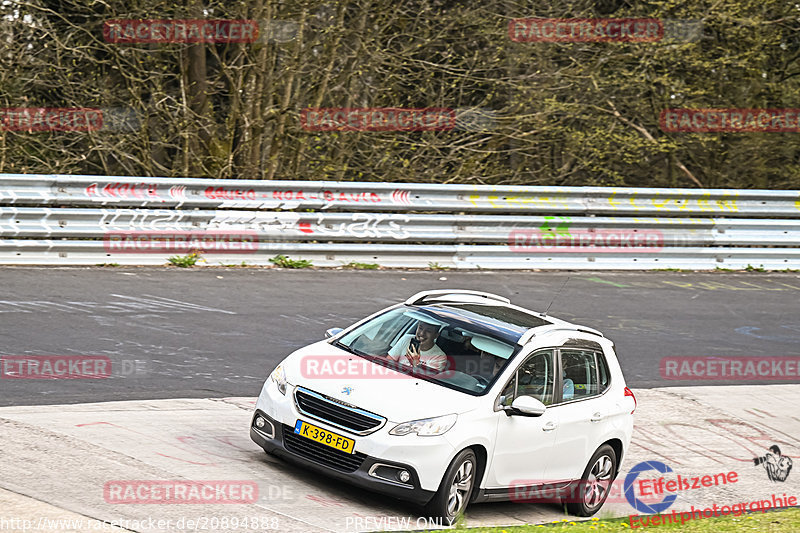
<point>456,488</point>
<point>595,483</point>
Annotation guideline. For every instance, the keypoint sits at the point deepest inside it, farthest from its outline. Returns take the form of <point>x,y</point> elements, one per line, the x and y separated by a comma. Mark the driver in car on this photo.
<point>420,349</point>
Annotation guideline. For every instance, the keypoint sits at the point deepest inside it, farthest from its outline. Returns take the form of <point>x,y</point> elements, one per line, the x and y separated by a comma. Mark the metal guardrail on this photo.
<point>18,189</point>
<point>95,220</point>
<point>35,222</point>
<point>83,252</point>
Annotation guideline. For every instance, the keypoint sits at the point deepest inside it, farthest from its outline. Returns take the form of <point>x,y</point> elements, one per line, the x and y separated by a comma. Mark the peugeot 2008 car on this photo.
<point>454,397</point>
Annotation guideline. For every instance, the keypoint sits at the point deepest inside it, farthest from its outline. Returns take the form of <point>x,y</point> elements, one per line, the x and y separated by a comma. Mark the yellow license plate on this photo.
<point>310,431</point>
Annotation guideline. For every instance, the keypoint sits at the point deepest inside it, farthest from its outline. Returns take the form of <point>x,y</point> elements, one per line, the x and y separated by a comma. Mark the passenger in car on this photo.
<point>568,392</point>
<point>424,352</point>
<point>487,364</point>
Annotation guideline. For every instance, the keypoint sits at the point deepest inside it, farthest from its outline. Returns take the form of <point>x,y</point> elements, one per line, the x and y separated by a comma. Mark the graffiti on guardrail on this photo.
<point>327,196</point>
<point>141,190</point>
<point>360,225</point>
<point>226,193</point>
<point>294,225</point>
<point>497,201</point>
<point>614,201</point>
<point>145,190</point>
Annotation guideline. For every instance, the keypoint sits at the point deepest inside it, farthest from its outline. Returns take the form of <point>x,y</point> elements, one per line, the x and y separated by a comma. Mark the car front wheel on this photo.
<point>456,488</point>
<point>595,483</point>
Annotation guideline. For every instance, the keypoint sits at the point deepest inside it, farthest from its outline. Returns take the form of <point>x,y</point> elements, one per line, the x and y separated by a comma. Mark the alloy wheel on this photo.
<point>598,481</point>
<point>460,488</point>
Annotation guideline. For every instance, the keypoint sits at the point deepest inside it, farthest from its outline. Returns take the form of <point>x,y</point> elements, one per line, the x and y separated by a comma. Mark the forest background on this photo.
<point>528,113</point>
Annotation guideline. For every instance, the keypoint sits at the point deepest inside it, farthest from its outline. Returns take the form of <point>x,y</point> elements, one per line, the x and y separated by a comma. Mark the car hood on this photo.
<point>331,371</point>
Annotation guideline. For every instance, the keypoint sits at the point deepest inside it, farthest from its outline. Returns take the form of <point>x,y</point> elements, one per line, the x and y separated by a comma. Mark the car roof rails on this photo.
<point>456,295</point>
<point>561,326</point>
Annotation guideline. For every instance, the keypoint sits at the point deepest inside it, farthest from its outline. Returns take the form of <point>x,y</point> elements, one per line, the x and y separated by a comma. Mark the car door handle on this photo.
<point>597,417</point>
<point>550,426</point>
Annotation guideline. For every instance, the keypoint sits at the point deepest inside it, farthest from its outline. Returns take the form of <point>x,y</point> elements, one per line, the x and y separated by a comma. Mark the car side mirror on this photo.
<point>526,406</point>
<point>333,332</point>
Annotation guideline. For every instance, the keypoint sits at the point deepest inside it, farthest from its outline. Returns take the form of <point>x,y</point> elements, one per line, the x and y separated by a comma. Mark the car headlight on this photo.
<point>279,377</point>
<point>426,427</point>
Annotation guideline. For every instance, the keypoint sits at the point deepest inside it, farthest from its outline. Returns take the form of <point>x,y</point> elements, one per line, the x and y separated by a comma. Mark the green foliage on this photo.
<point>781,521</point>
<point>361,266</point>
<point>437,266</point>
<point>565,114</point>
<point>284,262</point>
<point>185,261</point>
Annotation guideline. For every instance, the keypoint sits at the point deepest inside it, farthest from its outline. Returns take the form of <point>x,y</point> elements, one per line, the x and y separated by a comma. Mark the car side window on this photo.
<point>507,396</point>
<point>578,374</point>
<point>536,377</point>
<point>604,375</point>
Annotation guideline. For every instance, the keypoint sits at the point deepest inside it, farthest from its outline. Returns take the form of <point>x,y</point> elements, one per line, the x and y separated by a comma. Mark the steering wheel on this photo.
<point>482,381</point>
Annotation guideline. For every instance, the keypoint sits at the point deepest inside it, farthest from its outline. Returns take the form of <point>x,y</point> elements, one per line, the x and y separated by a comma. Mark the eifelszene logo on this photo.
<point>630,493</point>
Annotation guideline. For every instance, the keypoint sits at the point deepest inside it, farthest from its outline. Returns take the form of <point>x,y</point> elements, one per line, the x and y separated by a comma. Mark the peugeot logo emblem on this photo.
<point>347,390</point>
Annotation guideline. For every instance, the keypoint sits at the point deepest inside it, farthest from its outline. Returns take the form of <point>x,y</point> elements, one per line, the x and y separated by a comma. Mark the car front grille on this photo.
<point>337,413</point>
<point>321,454</point>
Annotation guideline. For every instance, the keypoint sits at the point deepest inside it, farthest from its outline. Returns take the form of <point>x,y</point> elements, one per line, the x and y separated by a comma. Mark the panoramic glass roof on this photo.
<point>504,322</point>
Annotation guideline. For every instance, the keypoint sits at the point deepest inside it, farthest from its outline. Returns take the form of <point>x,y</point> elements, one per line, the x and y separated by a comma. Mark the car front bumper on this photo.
<point>425,458</point>
<point>367,468</point>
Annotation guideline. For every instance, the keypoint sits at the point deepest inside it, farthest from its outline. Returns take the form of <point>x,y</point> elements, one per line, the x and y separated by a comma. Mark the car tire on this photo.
<point>595,483</point>
<point>456,488</point>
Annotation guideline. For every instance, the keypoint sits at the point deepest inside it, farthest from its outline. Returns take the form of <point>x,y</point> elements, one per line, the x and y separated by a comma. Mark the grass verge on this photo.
<point>781,521</point>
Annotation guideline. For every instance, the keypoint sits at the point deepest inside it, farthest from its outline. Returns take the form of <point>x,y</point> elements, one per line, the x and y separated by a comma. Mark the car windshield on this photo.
<point>435,344</point>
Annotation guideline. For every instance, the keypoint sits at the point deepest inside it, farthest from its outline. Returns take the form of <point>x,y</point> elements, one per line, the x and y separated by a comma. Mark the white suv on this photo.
<point>454,397</point>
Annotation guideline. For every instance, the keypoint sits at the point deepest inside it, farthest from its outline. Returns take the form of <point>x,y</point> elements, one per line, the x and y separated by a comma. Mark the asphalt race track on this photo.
<point>206,333</point>
<point>189,350</point>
